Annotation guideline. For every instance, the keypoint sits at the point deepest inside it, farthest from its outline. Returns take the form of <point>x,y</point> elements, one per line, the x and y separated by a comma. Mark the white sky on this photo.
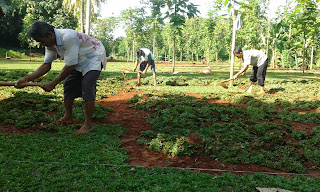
<point>114,8</point>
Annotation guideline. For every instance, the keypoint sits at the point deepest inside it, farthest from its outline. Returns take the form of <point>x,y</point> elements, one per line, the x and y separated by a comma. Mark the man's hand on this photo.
<point>144,72</point>
<point>20,82</point>
<point>48,86</point>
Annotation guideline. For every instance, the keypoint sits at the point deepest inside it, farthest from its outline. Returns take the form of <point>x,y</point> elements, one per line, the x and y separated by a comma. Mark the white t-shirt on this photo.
<point>148,55</point>
<point>254,57</point>
<point>79,49</point>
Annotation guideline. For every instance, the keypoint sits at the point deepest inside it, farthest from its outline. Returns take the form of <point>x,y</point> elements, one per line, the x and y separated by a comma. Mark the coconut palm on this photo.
<point>80,4</point>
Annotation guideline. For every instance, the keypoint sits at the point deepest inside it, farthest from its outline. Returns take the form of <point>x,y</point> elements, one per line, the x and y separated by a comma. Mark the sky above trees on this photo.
<point>114,8</point>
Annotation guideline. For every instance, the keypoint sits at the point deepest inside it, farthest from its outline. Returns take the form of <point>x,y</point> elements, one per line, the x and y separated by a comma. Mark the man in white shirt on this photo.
<point>84,58</point>
<point>259,62</point>
<point>146,59</point>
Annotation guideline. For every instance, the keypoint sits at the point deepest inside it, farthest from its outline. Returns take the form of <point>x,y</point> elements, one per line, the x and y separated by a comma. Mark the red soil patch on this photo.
<point>9,129</point>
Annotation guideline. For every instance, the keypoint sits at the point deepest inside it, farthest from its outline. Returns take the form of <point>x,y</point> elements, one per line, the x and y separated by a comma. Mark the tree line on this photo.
<point>174,32</point>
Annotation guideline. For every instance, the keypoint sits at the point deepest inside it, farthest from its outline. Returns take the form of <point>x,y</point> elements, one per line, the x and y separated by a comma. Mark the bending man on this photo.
<point>146,59</point>
<point>84,58</point>
<point>259,62</point>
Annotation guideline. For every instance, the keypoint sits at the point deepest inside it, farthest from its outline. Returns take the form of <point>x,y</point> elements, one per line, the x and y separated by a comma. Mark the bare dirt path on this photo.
<point>134,122</point>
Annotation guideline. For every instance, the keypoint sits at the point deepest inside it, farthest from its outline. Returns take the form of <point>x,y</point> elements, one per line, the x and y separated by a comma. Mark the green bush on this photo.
<point>12,54</point>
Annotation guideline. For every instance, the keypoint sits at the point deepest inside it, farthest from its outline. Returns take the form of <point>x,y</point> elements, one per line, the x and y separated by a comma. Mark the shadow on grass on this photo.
<point>275,90</point>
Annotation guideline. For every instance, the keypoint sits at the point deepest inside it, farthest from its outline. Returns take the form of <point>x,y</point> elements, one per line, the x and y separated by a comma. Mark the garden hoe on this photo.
<point>24,84</point>
<point>222,83</point>
<point>124,70</point>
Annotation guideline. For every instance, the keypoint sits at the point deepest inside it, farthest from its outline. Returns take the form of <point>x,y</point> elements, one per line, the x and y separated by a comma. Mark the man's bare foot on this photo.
<point>261,92</point>
<point>83,130</point>
<point>65,121</point>
<point>138,84</point>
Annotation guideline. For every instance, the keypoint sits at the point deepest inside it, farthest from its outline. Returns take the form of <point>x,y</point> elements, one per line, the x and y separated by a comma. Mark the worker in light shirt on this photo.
<point>145,59</point>
<point>84,58</point>
<point>259,62</point>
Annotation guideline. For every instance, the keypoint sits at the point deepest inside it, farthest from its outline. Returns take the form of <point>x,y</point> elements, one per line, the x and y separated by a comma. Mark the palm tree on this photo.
<point>76,4</point>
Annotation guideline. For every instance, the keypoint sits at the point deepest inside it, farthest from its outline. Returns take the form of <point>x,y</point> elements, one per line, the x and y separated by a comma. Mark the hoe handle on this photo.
<point>24,84</point>
<point>222,83</point>
<point>227,80</point>
<point>125,69</point>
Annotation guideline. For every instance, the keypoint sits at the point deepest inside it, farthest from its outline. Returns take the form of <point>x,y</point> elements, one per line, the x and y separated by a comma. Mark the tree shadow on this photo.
<point>276,90</point>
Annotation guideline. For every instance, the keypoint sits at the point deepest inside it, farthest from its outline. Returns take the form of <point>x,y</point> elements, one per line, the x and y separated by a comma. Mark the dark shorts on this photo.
<point>259,73</point>
<point>143,66</point>
<point>77,85</point>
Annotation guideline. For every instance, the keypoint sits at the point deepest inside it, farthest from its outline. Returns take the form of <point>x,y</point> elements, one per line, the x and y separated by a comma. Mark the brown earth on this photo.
<point>135,121</point>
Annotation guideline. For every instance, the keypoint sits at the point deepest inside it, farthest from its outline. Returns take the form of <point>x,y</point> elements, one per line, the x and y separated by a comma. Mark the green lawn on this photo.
<point>56,160</point>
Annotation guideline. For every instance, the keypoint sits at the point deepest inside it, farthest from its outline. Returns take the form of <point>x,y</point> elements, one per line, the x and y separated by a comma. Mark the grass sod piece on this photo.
<point>17,110</point>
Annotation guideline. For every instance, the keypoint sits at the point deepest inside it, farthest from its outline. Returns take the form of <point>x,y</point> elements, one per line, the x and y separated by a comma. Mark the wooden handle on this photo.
<point>125,69</point>
<point>24,84</point>
<point>226,80</point>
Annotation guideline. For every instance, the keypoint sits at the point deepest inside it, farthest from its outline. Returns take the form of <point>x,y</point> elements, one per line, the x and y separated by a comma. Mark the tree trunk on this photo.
<point>274,54</point>
<point>303,53</point>
<point>296,58</point>
<point>233,43</point>
<point>268,37</point>
<point>82,17</point>
<point>133,49</point>
<point>217,54</point>
<point>208,56</point>
<point>311,62</point>
<point>274,57</point>
<point>169,56</point>
<point>192,57</point>
<point>174,55</point>
<point>154,43</point>
<point>127,55</point>
<point>88,16</point>
<point>289,40</point>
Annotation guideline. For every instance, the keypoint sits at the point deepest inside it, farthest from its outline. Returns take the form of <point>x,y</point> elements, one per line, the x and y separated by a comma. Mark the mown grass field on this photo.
<point>255,129</point>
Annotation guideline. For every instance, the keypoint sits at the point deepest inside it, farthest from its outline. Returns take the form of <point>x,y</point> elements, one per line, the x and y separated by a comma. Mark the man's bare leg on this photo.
<point>139,79</point>
<point>155,78</point>
<point>262,91</point>
<point>67,118</point>
<point>87,125</point>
